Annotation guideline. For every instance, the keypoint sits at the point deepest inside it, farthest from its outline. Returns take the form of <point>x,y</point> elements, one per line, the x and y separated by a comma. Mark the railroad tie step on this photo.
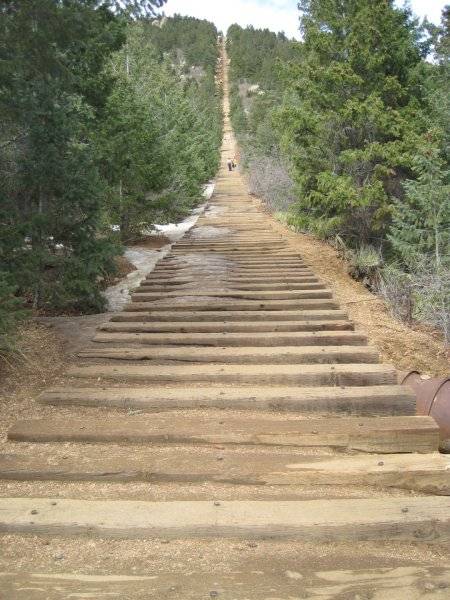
<point>265,272</point>
<point>405,582</point>
<point>230,316</point>
<point>359,374</point>
<point>244,355</point>
<point>428,473</point>
<point>387,435</point>
<point>407,519</point>
<point>149,286</point>
<point>380,400</point>
<point>175,281</point>
<point>223,326</point>
<point>335,334</point>
<point>232,294</point>
<point>230,304</point>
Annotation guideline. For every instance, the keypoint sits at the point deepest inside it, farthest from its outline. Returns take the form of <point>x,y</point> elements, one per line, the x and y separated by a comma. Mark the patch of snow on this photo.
<point>208,190</point>
<point>175,231</point>
<point>145,260</point>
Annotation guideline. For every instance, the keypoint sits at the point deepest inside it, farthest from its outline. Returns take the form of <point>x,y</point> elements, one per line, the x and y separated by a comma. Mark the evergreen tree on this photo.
<point>255,54</point>
<point>420,233</point>
<point>52,85</point>
<point>161,135</point>
<point>94,132</point>
<point>256,57</point>
<point>352,119</point>
<point>187,39</point>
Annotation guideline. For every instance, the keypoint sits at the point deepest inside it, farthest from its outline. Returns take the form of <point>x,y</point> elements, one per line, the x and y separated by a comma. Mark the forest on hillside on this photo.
<point>346,135</point>
<point>110,122</point>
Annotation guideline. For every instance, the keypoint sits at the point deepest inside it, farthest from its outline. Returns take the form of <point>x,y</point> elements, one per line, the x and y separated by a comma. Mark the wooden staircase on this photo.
<point>232,320</point>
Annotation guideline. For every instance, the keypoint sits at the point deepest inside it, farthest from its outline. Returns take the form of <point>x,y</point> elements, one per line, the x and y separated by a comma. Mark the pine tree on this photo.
<point>83,144</point>
<point>52,88</point>
<point>161,134</point>
<point>352,118</point>
<point>420,233</point>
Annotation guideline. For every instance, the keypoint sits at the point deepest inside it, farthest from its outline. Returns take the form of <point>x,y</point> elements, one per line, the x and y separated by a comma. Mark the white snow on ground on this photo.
<point>144,260</point>
<point>175,231</point>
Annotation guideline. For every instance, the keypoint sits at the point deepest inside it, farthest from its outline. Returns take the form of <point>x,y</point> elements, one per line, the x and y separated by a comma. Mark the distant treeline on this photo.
<point>109,117</point>
<point>347,137</point>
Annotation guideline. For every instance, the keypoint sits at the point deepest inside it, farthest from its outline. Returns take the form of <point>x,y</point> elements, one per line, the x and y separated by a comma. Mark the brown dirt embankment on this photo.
<point>406,347</point>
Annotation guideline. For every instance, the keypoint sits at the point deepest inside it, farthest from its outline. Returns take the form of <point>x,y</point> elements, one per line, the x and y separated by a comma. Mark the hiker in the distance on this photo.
<point>234,163</point>
<point>230,164</point>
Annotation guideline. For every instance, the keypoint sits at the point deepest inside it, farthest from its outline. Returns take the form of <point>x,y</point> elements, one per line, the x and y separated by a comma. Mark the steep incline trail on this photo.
<point>281,459</point>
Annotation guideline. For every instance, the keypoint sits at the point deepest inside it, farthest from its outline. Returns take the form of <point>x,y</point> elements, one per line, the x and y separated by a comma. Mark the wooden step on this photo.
<point>229,274</point>
<point>262,279</point>
<point>242,238</point>
<point>368,400</point>
<point>218,304</point>
<point>218,283</point>
<point>309,375</point>
<point>276,278</point>
<point>276,572</point>
<point>232,249</point>
<point>147,286</point>
<point>338,333</point>
<point>244,260</point>
<point>246,355</point>
<point>227,234</point>
<point>235,262</point>
<point>268,272</point>
<point>184,261</point>
<point>223,326</point>
<point>274,256</point>
<point>366,434</point>
<point>407,519</point>
<point>249,255</point>
<point>275,262</point>
<point>230,315</point>
<point>428,473</point>
<point>201,235</point>
<point>234,295</point>
<point>265,271</point>
<point>242,249</point>
<point>174,282</point>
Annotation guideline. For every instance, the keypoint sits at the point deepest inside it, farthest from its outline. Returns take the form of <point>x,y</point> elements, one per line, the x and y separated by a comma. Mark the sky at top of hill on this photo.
<point>276,15</point>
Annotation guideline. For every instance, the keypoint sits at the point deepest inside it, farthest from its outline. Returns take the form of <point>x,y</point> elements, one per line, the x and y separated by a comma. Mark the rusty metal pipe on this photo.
<point>433,398</point>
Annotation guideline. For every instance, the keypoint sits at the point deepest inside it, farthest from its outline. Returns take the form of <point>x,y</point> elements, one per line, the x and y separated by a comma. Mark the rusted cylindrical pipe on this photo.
<point>433,398</point>
<point>440,409</point>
